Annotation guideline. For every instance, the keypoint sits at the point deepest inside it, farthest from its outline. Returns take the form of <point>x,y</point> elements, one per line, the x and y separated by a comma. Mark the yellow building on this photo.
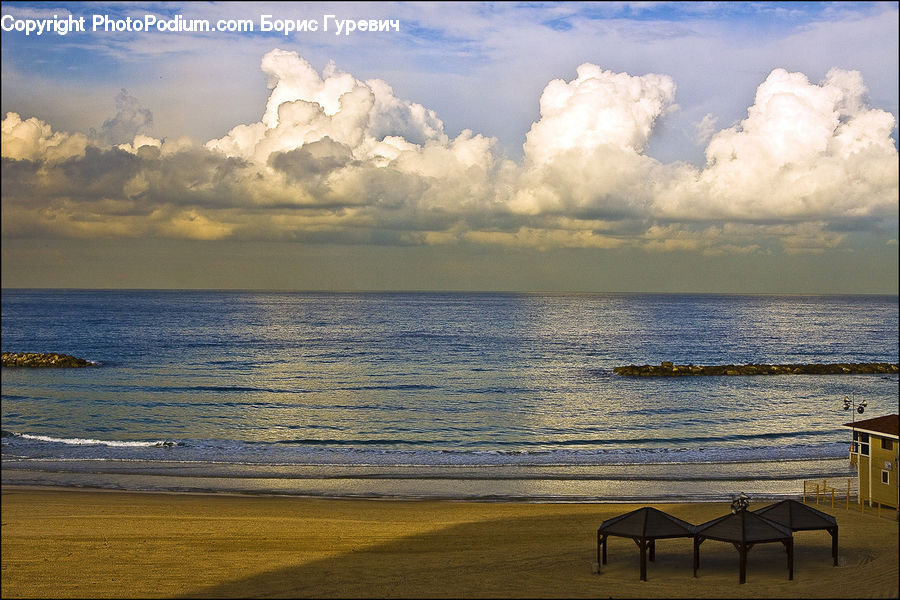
<point>874,454</point>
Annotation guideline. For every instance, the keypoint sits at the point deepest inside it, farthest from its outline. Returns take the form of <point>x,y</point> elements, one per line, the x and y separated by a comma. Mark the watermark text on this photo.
<point>179,24</point>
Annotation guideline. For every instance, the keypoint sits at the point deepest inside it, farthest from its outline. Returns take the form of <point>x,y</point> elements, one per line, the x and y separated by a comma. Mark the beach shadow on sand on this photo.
<point>547,557</point>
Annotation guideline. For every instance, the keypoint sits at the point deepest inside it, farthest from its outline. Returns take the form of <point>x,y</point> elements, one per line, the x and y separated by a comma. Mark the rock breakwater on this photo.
<point>41,359</point>
<point>668,369</point>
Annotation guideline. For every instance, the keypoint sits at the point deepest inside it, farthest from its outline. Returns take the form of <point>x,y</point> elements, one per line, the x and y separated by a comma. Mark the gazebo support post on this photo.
<point>643,560</point>
<point>742,552</point>
<point>697,541</point>
<point>643,543</point>
<point>601,548</point>
<point>834,544</point>
<point>790,545</point>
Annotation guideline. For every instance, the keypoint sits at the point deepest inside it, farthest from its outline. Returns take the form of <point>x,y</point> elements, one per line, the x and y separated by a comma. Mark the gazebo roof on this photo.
<point>797,516</point>
<point>647,523</point>
<point>743,527</point>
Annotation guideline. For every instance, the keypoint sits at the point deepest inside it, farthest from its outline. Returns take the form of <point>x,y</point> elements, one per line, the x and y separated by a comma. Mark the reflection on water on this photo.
<point>436,379</point>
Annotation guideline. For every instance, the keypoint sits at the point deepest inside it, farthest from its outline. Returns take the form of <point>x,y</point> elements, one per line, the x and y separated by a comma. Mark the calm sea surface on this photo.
<point>436,395</point>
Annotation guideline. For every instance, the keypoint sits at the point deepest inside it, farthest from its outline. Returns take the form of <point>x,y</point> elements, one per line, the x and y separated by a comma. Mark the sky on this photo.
<point>685,147</point>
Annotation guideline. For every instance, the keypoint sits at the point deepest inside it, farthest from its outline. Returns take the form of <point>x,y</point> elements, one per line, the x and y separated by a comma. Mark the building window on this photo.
<point>887,444</point>
<point>885,477</point>
<point>863,446</point>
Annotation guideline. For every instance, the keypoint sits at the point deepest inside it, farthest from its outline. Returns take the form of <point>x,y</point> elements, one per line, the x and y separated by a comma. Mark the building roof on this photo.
<point>647,523</point>
<point>886,425</point>
<point>797,516</point>
<point>743,527</point>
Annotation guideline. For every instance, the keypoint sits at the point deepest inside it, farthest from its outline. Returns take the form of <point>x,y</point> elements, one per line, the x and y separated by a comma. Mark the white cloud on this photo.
<point>597,109</point>
<point>32,139</point>
<point>586,151</point>
<point>337,159</point>
<point>140,140</point>
<point>706,128</point>
<point>305,107</point>
<point>377,129</point>
<point>804,152</point>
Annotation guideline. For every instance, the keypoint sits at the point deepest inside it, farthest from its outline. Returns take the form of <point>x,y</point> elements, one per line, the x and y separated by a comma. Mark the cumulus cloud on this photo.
<point>706,128</point>
<point>804,152</point>
<point>32,139</point>
<point>333,141</point>
<point>336,159</point>
<point>585,154</point>
<point>597,109</point>
<point>131,119</point>
<point>305,107</point>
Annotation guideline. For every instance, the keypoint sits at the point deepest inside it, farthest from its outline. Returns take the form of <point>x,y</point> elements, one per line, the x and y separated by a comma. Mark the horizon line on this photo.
<point>444,291</point>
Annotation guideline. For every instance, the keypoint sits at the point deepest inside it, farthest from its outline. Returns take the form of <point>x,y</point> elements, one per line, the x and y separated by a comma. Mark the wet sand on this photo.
<point>102,544</point>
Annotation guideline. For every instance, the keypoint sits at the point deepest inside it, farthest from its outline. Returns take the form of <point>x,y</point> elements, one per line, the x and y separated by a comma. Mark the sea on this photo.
<point>458,396</point>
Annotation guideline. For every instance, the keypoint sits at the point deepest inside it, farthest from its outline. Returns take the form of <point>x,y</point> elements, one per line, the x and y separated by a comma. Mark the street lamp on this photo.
<point>850,402</point>
<point>739,503</point>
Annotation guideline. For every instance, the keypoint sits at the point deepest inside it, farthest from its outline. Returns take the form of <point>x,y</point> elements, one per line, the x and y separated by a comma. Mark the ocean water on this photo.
<point>447,395</point>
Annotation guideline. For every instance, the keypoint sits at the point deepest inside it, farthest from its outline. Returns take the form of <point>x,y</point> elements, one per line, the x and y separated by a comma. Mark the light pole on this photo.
<point>850,402</point>
<point>856,446</point>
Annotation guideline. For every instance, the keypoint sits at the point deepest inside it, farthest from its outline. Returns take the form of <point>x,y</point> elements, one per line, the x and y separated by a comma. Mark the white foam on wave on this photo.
<point>93,442</point>
<point>238,452</point>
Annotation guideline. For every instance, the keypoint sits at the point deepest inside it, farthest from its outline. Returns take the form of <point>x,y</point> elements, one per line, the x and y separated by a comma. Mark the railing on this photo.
<point>820,488</point>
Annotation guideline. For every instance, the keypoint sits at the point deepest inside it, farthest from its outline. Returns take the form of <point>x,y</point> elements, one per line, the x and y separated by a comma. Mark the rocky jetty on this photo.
<point>668,369</point>
<point>40,359</point>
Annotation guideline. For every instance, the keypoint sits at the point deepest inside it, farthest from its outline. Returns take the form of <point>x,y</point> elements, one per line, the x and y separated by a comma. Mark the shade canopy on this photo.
<point>644,526</point>
<point>799,517</point>
<point>646,522</point>
<point>744,529</point>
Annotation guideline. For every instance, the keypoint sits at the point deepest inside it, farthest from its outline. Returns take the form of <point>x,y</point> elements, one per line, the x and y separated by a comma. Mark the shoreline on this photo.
<point>684,482</point>
<point>713,498</point>
<point>109,543</point>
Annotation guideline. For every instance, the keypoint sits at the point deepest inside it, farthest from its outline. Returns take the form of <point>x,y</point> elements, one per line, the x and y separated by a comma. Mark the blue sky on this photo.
<point>476,139</point>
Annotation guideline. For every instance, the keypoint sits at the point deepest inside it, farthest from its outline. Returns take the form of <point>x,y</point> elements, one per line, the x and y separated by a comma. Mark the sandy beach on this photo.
<point>101,544</point>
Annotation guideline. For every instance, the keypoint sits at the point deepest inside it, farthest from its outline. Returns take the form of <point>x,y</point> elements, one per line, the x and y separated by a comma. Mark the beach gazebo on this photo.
<point>644,526</point>
<point>797,516</point>
<point>744,529</point>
